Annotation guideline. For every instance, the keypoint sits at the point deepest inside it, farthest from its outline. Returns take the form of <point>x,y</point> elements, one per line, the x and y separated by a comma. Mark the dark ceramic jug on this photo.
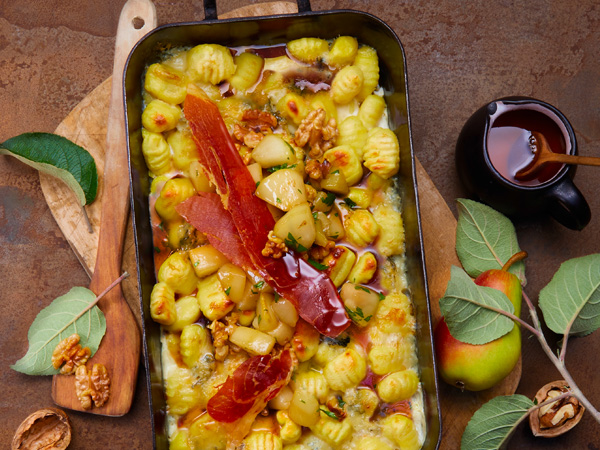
<point>554,193</point>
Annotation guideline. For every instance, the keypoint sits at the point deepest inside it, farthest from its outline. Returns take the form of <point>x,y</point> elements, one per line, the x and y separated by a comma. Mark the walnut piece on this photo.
<point>557,417</point>
<point>275,247</point>
<point>256,124</point>
<point>220,336</point>
<point>248,137</point>
<point>319,253</point>
<point>69,352</point>
<point>92,386</point>
<point>257,120</point>
<point>47,429</point>
<point>315,132</point>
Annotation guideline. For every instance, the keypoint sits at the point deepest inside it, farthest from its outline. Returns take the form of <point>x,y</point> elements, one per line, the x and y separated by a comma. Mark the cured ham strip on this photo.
<point>311,291</point>
<point>206,213</point>
<point>257,379</point>
<point>247,391</point>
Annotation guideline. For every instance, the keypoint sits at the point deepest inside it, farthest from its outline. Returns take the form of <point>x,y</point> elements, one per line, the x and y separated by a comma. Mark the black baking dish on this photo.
<point>269,31</point>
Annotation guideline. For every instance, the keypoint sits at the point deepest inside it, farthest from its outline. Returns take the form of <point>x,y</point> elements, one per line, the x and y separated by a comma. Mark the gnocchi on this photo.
<point>323,160</point>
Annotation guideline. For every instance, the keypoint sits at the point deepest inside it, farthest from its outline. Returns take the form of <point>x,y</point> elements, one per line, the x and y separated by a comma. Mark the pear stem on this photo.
<point>558,363</point>
<point>519,256</point>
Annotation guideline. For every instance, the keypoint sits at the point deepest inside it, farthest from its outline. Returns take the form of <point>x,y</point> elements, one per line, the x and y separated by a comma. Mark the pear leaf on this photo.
<point>465,307</point>
<point>571,301</point>
<point>66,315</point>
<point>491,426</point>
<point>59,157</point>
<point>485,239</point>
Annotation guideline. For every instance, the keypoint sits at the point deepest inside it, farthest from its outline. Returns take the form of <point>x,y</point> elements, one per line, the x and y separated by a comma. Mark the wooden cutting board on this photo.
<point>86,126</point>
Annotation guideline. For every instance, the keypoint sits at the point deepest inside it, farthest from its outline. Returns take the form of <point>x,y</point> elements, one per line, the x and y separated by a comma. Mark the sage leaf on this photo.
<point>59,157</point>
<point>62,318</point>
<point>571,301</point>
<point>485,239</point>
<point>491,426</point>
<point>464,309</point>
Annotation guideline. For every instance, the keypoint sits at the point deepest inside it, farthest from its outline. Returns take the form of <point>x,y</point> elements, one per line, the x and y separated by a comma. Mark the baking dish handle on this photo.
<point>210,8</point>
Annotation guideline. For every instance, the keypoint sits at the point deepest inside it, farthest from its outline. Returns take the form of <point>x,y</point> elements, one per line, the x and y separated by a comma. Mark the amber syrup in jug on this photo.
<point>508,145</point>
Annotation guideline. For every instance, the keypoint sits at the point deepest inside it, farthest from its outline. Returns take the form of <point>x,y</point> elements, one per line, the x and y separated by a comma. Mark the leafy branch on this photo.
<point>74,312</point>
<point>570,304</point>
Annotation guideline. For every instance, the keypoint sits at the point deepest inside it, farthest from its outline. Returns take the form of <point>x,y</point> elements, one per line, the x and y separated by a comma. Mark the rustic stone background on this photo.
<point>460,56</point>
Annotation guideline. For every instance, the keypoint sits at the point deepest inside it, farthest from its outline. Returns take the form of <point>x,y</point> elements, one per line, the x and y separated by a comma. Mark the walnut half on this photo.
<point>47,428</point>
<point>317,133</point>
<point>69,352</point>
<point>558,417</point>
<point>93,386</point>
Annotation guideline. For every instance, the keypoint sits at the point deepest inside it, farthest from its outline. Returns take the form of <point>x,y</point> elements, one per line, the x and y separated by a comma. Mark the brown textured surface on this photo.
<point>460,55</point>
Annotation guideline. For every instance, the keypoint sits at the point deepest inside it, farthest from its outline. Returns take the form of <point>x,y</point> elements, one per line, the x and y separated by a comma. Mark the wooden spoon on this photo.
<point>120,348</point>
<point>542,155</point>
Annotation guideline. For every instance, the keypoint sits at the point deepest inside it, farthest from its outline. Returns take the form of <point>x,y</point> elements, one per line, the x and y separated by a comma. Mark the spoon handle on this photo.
<point>574,159</point>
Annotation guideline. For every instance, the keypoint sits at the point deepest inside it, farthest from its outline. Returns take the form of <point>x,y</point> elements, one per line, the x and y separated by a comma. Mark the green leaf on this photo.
<point>329,413</point>
<point>463,308</point>
<point>62,318</point>
<point>572,298</point>
<point>317,265</point>
<point>491,426</point>
<point>485,239</point>
<point>351,203</point>
<point>281,166</point>
<point>329,199</point>
<point>59,157</point>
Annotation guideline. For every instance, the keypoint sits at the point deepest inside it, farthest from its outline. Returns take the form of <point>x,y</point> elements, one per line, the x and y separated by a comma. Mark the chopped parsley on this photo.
<point>329,199</point>
<point>156,249</point>
<point>381,296</point>
<point>281,166</point>
<point>196,263</point>
<point>341,402</point>
<point>315,215</point>
<point>228,290</point>
<point>276,297</point>
<point>259,319</point>
<point>278,200</point>
<point>292,243</point>
<point>258,286</point>
<point>357,315</point>
<point>351,203</point>
<point>335,171</point>
<point>317,265</point>
<point>362,288</point>
<point>329,413</point>
<point>257,183</point>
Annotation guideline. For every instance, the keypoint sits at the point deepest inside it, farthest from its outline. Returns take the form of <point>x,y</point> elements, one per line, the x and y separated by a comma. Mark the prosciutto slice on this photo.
<point>255,382</point>
<point>311,291</point>
<point>247,391</point>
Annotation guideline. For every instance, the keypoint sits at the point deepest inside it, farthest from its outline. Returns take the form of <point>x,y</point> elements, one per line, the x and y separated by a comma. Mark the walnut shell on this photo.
<point>47,429</point>
<point>553,431</point>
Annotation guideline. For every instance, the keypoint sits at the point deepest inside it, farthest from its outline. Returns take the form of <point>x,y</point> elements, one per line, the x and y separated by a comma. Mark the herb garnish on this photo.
<point>292,242</point>
<point>357,315</point>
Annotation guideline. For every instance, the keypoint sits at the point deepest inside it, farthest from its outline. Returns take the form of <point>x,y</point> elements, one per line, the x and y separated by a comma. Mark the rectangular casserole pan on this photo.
<point>269,31</point>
